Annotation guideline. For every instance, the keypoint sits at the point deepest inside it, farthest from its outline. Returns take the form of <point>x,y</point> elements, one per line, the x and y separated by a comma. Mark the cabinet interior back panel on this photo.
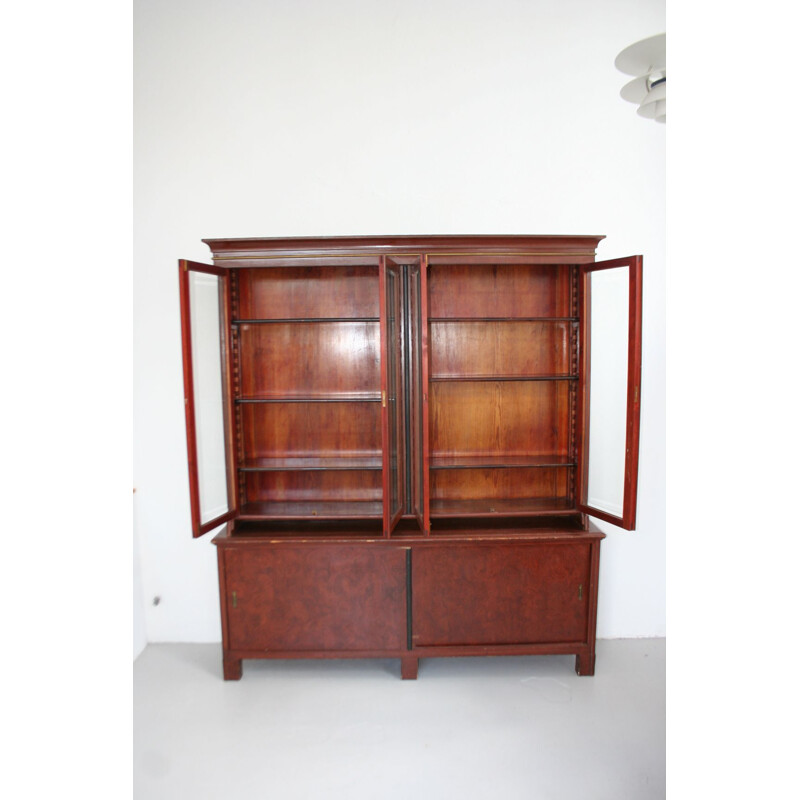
<point>500,483</point>
<point>507,290</point>
<point>313,357</point>
<point>298,292</point>
<point>274,430</point>
<point>500,418</point>
<point>500,348</point>
<point>352,486</point>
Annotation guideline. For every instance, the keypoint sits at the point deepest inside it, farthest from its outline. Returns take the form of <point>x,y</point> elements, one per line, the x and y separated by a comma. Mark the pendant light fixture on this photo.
<point>647,60</point>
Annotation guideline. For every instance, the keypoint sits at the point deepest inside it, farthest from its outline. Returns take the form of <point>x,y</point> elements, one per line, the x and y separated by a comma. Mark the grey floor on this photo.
<point>518,727</point>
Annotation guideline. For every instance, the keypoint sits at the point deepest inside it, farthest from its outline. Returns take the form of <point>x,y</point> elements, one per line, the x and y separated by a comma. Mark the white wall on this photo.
<point>306,117</point>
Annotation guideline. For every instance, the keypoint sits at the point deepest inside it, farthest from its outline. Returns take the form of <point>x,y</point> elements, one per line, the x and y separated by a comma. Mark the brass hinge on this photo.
<point>580,591</point>
<point>234,599</point>
<point>383,399</point>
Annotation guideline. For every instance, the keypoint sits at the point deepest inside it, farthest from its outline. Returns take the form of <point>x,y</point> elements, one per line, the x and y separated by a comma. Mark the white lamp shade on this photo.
<point>647,60</point>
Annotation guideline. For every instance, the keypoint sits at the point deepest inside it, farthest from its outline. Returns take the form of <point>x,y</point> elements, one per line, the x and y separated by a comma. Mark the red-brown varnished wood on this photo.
<point>289,359</point>
<point>308,486</point>
<point>231,668</point>
<point>499,290</point>
<point>309,292</point>
<point>506,594</point>
<point>325,597</point>
<point>425,389</point>
<point>500,484</point>
<point>184,269</point>
<point>500,348</point>
<point>634,371</point>
<point>374,383</point>
<point>365,249</point>
<point>499,417</point>
<point>314,430</point>
<point>409,667</point>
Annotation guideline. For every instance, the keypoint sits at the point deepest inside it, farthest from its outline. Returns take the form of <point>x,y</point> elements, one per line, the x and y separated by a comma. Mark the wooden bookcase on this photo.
<point>404,437</point>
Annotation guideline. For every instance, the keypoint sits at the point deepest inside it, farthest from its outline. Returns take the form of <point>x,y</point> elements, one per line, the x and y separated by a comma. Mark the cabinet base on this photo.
<point>409,667</point>
<point>584,663</point>
<point>231,668</point>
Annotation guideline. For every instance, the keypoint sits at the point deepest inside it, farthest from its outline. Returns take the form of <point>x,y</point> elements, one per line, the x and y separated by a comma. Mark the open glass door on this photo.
<point>610,376</point>
<point>204,321</point>
<point>418,392</point>
<point>392,397</point>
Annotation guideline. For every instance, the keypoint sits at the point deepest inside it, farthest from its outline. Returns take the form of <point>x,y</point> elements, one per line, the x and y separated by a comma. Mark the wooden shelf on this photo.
<point>285,320</point>
<point>509,508</point>
<point>303,464</point>
<point>472,378</point>
<point>502,319</point>
<point>314,397</point>
<point>499,462</point>
<point>324,510</point>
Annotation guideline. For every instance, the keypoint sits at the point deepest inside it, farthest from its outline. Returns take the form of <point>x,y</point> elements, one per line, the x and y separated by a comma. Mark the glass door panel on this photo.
<point>203,315</point>
<point>611,316</point>
<point>392,398</point>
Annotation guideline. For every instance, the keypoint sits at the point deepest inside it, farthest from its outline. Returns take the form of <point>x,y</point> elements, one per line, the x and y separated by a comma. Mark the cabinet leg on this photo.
<point>584,663</point>
<point>409,668</point>
<point>231,668</point>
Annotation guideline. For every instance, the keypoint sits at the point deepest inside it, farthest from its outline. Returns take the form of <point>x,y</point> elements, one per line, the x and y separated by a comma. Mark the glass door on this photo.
<point>204,322</point>
<point>610,377</point>
<point>392,394</point>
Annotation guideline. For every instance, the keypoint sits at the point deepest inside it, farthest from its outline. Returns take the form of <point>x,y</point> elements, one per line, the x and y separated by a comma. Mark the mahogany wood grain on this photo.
<point>500,484</point>
<point>473,341</point>
<point>494,418</point>
<point>302,292</point>
<point>324,597</point>
<point>500,348</point>
<point>321,486</point>
<point>507,594</point>
<point>256,252</point>
<point>316,430</point>
<point>315,510</point>
<point>504,290</point>
<point>307,358</point>
<point>498,507</point>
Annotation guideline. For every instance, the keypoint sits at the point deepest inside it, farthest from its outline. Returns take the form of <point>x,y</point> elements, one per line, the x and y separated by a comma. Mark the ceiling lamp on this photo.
<point>647,60</point>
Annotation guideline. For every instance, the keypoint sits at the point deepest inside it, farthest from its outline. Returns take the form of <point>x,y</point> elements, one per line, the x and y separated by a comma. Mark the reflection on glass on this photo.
<point>608,372</point>
<point>395,412</point>
<point>205,293</point>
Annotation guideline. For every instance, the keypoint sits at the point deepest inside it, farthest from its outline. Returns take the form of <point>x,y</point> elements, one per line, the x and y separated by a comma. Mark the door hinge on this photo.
<point>234,599</point>
<point>383,399</point>
<point>580,591</point>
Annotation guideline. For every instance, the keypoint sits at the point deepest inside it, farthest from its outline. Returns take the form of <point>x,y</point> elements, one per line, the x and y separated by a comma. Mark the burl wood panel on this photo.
<point>313,357</point>
<point>469,484</point>
<point>325,597</point>
<point>500,348</point>
<point>314,486</point>
<point>311,429</point>
<point>297,292</point>
<point>499,417</point>
<point>487,595</point>
<point>508,290</point>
